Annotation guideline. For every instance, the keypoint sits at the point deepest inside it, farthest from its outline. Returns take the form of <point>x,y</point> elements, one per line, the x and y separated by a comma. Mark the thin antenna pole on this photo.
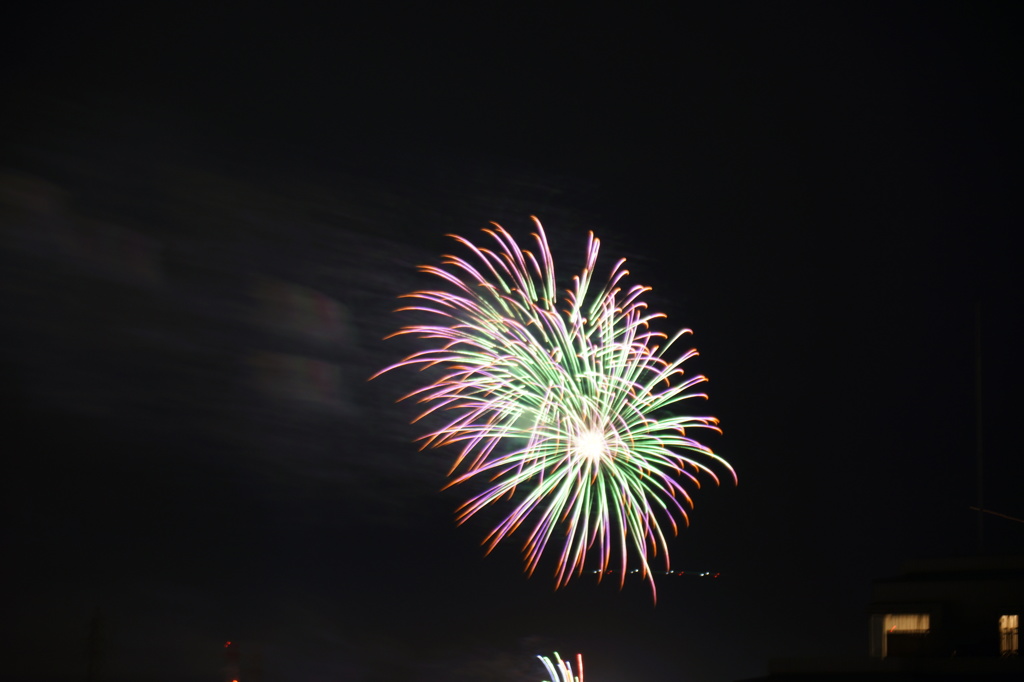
<point>94,652</point>
<point>978,437</point>
<point>995,513</point>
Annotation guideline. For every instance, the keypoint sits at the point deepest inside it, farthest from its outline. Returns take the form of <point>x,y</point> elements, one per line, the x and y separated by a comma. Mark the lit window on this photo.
<point>902,633</point>
<point>1008,634</point>
<point>908,623</point>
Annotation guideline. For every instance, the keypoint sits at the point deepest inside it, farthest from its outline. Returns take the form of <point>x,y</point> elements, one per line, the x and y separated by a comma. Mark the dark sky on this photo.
<point>825,195</point>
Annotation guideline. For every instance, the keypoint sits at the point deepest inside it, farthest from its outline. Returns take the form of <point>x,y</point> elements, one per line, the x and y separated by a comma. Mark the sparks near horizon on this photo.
<point>561,671</point>
<point>562,403</point>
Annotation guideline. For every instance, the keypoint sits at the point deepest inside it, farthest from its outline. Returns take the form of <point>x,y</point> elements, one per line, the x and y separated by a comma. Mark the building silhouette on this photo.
<point>953,619</point>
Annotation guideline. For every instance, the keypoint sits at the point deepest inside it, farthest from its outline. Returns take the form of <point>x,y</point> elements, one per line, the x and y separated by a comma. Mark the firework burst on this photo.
<point>561,671</point>
<point>566,397</point>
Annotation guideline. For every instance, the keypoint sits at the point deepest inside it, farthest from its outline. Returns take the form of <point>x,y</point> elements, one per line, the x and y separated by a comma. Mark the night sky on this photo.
<point>208,215</point>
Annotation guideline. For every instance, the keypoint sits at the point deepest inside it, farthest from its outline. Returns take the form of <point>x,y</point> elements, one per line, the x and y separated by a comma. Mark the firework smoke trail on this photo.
<point>561,671</point>
<point>568,400</point>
